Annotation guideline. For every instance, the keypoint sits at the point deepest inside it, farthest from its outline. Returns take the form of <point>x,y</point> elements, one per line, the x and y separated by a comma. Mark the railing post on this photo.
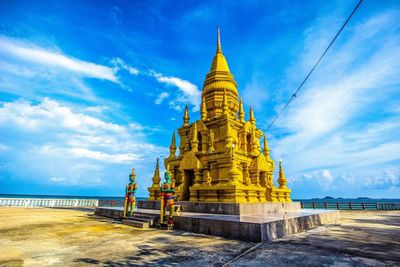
<point>363,205</point>
<point>325,205</point>
<point>350,206</point>
<point>337,205</point>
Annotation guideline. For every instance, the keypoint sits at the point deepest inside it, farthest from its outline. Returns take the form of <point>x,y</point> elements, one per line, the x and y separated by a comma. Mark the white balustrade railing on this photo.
<point>47,202</point>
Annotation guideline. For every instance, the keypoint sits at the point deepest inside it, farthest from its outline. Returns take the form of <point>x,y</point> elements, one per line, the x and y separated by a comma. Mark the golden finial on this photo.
<point>219,50</point>
<point>203,110</point>
<point>282,179</point>
<point>252,119</point>
<point>241,111</point>
<point>156,177</point>
<point>266,148</point>
<point>172,147</point>
<point>186,117</point>
<point>173,141</point>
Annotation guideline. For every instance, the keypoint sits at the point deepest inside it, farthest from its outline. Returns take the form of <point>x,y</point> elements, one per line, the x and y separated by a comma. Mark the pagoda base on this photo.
<point>240,209</point>
<point>257,222</point>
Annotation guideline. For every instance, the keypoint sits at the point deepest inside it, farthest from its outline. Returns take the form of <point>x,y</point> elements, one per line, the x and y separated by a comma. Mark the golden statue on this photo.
<point>220,158</point>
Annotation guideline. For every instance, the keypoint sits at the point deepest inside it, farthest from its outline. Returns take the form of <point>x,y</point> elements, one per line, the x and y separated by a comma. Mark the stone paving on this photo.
<point>65,237</point>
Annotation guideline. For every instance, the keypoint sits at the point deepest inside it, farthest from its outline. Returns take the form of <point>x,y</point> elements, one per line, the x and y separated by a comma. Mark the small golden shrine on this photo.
<point>220,157</point>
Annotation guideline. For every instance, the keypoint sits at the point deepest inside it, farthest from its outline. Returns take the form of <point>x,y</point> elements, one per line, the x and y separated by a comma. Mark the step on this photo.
<point>140,219</point>
<point>135,223</point>
<point>146,215</point>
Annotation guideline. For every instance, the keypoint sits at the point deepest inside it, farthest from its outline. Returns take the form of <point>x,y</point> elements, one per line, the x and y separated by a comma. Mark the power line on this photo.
<point>316,64</point>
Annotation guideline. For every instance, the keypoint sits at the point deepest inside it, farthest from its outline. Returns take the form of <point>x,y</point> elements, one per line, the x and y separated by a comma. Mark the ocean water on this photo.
<point>353,200</point>
<point>328,199</point>
<point>66,197</point>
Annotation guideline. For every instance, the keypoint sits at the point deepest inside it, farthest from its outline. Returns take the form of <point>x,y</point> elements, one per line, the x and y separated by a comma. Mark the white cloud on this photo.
<point>161,98</point>
<point>53,140</point>
<point>97,109</point>
<point>319,178</point>
<point>37,55</point>
<point>49,113</point>
<point>57,179</point>
<point>387,180</point>
<point>121,64</point>
<point>190,92</point>
<point>98,155</point>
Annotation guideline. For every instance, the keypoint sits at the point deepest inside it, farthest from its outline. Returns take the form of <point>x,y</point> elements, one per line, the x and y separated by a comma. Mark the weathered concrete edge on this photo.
<point>278,229</point>
<point>256,232</point>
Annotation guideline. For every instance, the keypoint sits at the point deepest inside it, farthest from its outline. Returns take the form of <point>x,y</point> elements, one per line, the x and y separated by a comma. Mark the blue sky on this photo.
<point>89,89</point>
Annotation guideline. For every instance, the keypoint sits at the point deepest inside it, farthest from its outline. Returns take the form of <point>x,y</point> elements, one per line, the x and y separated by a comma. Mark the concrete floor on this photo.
<point>64,237</point>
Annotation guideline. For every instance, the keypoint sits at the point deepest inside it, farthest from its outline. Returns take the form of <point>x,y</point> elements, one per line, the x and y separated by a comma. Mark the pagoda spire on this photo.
<point>156,178</point>
<point>252,119</point>
<point>241,111</point>
<point>225,104</point>
<point>186,117</point>
<point>282,179</point>
<point>219,49</point>
<point>218,79</point>
<point>172,147</point>
<point>203,110</point>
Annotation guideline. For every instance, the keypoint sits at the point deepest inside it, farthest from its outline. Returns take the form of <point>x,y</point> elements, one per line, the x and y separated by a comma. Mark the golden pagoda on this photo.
<point>220,159</point>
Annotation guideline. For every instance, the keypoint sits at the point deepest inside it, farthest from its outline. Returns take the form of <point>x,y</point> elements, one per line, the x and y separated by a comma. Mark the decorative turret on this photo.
<point>203,110</point>
<point>195,141</point>
<point>282,179</point>
<point>172,147</point>
<point>217,80</point>
<point>186,117</point>
<point>156,178</point>
<point>241,111</point>
<point>154,190</point>
<point>252,119</point>
<point>266,148</point>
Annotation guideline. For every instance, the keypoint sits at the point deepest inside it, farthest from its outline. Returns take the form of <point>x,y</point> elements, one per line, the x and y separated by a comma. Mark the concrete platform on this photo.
<point>263,227</point>
<point>70,237</point>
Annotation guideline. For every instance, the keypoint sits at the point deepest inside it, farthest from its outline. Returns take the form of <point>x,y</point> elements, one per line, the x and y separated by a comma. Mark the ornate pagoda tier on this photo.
<point>220,157</point>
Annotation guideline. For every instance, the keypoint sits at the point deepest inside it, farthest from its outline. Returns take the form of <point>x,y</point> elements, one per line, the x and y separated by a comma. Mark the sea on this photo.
<point>325,199</point>
<point>66,197</point>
